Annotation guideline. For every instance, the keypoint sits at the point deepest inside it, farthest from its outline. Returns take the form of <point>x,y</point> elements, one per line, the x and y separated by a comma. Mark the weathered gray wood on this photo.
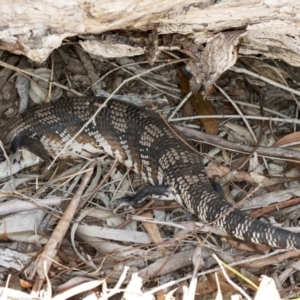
<point>35,28</point>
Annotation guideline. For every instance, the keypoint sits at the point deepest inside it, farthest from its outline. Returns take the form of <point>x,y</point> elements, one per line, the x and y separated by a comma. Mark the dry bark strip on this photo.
<point>47,256</point>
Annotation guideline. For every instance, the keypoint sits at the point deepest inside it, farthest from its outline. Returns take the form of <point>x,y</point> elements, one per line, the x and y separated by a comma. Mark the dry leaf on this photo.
<point>240,133</point>
<point>200,105</point>
<point>12,259</point>
<point>205,288</point>
<point>133,290</point>
<point>109,49</point>
<point>167,264</point>
<point>78,289</point>
<point>203,107</point>
<point>152,229</point>
<point>114,234</point>
<point>38,91</point>
<point>25,284</point>
<point>267,289</point>
<point>22,159</point>
<point>288,139</point>
<point>7,293</point>
<point>21,226</point>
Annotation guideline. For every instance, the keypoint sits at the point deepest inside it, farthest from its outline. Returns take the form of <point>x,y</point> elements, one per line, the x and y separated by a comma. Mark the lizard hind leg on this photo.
<point>35,146</point>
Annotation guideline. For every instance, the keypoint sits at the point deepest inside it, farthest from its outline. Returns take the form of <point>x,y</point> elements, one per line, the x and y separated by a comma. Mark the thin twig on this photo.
<point>238,111</point>
<point>179,106</point>
<point>283,79</point>
<point>7,159</point>
<point>228,279</point>
<point>105,178</point>
<point>194,281</point>
<point>150,84</point>
<point>290,120</point>
<point>124,66</point>
<point>48,99</point>
<point>271,111</point>
<point>139,212</point>
<point>119,185</point>
<point>272,152</point>
<point>281,86</point>
<point>116,288</point>
<point>22,72</point>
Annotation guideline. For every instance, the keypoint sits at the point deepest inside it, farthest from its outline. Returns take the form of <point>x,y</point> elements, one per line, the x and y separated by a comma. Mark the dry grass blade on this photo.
<point>229,280</point>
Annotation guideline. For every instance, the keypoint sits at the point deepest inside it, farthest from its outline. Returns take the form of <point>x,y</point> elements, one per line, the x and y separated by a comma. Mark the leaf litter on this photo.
<point>106,248</point>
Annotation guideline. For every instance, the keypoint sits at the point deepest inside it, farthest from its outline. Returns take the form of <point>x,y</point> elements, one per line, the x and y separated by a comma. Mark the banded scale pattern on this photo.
<point>142,141</point>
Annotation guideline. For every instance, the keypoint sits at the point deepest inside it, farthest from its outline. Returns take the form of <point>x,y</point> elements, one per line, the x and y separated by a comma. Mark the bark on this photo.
<point>35,28</point>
